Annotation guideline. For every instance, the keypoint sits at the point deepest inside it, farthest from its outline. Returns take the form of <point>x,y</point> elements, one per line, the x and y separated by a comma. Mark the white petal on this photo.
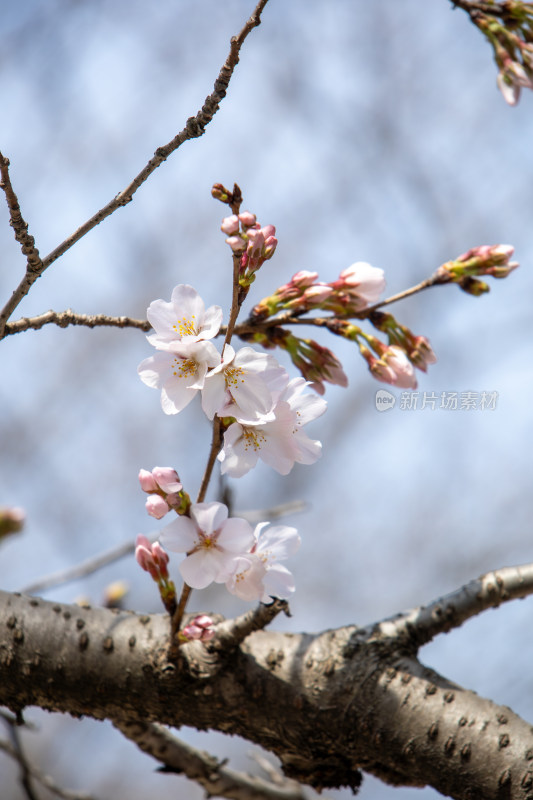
<point>209,516</point>
<point>278,582</point>
<point>180,536</point>
<point>236,536</point>
<point>201,568</point>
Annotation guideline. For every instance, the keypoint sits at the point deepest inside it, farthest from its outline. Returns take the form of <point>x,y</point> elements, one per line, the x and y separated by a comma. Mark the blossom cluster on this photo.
<point>223,549</point>
<point>493,260</point>
<point>264,412</point>
<point>252,243</point>
<point>512,43</point>
<point>356,290</point>
<point>357,287</point>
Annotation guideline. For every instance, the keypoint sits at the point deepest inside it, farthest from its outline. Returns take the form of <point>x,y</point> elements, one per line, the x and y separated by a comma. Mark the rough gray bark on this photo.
<point>327,705</point>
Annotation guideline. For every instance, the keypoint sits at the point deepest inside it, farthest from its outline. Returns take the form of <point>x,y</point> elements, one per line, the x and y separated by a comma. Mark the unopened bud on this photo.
<point>156,506</point>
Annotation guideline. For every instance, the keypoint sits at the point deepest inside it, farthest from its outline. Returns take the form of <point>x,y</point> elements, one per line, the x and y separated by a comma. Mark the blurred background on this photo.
<point>362,131</point>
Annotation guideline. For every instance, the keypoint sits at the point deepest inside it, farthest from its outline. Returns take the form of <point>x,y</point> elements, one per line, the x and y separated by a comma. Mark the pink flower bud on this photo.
<point>304,278</point>
<point>156,506</point>
<point>147,481</point>
<point>143,553</point>
<point>317,294</point>
<point>201,627</point>
<point>247,219</point>
<point>230,225</point>
<point>167,479</point>
<point>236,243</point>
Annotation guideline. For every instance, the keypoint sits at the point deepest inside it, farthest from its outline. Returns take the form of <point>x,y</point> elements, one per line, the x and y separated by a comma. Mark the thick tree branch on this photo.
<point>194,128</point>
<point>210,773</point>
<point>327,704</point>
<point>421,625</point>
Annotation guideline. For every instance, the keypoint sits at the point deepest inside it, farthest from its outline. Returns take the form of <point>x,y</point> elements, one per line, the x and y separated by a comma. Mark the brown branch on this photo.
<point>29,771</point>
<point>232,632</point>
<point>421,625</point>
<point>34,266</point>
<point>206,770</point>
<point>194,128</point>
<point>80,570</point>
<point>69,317</point>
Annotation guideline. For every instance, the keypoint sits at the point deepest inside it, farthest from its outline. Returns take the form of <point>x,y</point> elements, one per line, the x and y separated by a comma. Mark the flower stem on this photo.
<point>179,612</point>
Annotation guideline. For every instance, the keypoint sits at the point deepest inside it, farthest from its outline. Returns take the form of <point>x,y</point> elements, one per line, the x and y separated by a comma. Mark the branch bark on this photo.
<point>327,705</point>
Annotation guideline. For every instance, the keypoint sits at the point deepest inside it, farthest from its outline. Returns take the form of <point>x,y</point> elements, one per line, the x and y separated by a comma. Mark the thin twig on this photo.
<point>194,128</point>
<point>421,625</point>
<point>69,317</point>
<point>34,265</point>
<point>206,770</point>
<point>45,780</point>
<point>80,570</point>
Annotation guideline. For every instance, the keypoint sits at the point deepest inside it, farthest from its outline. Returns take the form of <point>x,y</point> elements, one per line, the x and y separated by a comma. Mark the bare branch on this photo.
<point>34,266</point>
<point>69,317</point>
<point>232,632</point>
<point>41,777</point>
<point>80,570</point>
<point>217,779</point>
<point>421,625</point>
<point>194,128</point>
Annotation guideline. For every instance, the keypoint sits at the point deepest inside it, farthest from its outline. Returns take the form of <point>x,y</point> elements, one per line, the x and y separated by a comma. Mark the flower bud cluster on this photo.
<point>316,363</point>
<point>494,260</point>
<point>357,287</point>
<point>512,42</point>
<point>253,243</point>
<point>165,491</point>
<point>201,628</point>
<point>417,348</point>
<point>153,559</point>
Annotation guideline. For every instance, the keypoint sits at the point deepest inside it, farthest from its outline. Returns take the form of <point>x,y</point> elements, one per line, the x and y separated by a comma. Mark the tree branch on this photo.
<point>194,128</point>
<point>210,773</point>
<point>31,771</point>
<point>69,317</point>
<point>326,704</point>
<point>422,624</point>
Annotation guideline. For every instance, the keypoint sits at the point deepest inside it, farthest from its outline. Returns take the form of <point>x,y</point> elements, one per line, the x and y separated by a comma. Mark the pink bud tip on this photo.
<point>230,225</point>
<point>147,481</point>
<point>167,479</point>
<point>156,506</point>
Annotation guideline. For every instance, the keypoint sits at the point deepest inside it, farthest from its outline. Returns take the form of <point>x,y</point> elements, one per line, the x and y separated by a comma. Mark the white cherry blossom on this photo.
<point>257,575</point>
<point>183,319</point>
<point>211,541</point>
<point>245,380</point>
<point>280,443</point>
<point>179,371</point>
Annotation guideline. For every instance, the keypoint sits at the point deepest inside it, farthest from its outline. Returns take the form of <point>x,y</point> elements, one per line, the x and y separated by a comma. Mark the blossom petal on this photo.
<point>180,536</point>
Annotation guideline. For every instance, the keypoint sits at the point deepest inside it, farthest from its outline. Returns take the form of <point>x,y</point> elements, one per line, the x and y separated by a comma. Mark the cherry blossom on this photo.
<point>242,379</point>
<point>361,284</point>
<point>257,575</point>
<point>280,443</point>
<point>183,319</point>
<point>211,541</point>
<point>179,371</point>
